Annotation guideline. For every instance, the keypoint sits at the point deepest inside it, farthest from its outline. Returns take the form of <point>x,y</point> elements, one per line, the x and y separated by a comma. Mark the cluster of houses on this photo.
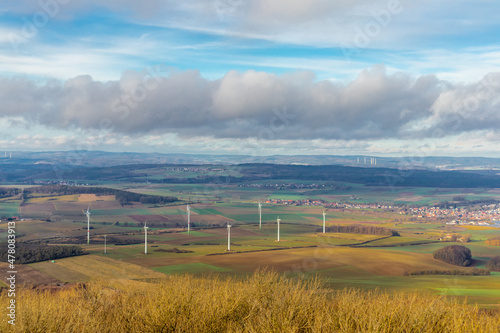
<point>283,186</point>
<point>59,182</point>
<point>303,202</point>
<point>341,205</point>
<point>460,216</point>
<point>195,169</point>
<point>455,238</point>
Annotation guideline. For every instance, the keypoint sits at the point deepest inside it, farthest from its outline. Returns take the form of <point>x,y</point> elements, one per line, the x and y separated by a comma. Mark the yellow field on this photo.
<point>72,197</point>
<point>94,267</point>
<point>479,227</point>
<point>19,186</point>
<point>93,197</point>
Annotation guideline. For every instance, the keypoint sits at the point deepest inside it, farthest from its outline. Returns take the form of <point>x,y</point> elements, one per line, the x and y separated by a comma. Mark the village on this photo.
<point>486,215</point>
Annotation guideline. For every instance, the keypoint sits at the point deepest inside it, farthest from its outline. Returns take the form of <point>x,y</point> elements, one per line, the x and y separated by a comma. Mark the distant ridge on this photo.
<point>245,173</point>
<point>96,158</point>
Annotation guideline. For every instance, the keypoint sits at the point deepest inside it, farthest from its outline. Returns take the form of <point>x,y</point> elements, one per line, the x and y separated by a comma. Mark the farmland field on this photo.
<point>9,207</point>
<point>89,267</point>
<point>340,259</point>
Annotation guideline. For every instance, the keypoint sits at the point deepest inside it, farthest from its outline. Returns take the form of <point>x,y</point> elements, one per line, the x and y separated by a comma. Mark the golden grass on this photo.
<point>264,302</point>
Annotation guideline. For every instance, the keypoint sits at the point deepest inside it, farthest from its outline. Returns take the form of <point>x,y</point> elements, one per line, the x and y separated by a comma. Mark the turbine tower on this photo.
<point>324,218</point>
<point>105,252</point>
<point>228,237</point>
<point>145,237</point>
<point>189,217</point>
<point>260,215</point>
<point>88,223</point>
<point>278,220</point>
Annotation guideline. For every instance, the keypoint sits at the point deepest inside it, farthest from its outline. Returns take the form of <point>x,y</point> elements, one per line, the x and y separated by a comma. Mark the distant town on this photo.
<point>483,216</point>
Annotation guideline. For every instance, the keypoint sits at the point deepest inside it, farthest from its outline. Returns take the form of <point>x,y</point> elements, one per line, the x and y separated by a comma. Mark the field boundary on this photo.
<point>394,245</point>
<point>365,242</point>
<point>264,250</point>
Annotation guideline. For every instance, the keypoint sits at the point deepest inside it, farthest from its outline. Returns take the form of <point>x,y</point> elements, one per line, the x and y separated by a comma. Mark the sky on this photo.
<point>253,77</point>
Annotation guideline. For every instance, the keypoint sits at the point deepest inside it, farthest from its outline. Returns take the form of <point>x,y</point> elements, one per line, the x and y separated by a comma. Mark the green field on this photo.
<point>9,207</point>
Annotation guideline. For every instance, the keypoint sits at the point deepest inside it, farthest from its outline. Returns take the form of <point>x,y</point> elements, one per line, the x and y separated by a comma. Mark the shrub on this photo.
<point>173,250</point>
<point>495,241</point>
<point>454,254</point>
<point>494,264</point>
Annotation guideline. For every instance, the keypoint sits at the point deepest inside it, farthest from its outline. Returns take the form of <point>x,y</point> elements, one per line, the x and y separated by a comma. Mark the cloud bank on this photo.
<point>253,104</point>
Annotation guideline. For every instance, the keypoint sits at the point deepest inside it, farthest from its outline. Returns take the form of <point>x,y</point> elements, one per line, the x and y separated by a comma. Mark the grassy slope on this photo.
<point>263,302</point>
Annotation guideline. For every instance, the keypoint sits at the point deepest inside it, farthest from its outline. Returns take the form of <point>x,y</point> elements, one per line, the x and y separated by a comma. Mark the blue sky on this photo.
<point>393,77</point>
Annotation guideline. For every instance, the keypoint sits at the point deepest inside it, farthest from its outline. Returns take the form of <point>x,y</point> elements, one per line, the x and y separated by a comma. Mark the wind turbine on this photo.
<point>260,215</point>
<point>228,237</point>
<point>189,217</point>
<point>105,252</point>
<point>278,220</point>
<point>324,218</point>
<point>145,237</point>
<point>88,223</point>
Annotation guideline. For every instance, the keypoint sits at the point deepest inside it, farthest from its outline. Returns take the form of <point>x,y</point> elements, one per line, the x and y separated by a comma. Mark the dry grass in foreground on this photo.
<point>264,302</point>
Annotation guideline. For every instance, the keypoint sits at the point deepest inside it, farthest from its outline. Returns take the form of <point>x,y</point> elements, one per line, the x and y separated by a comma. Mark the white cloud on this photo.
<point>261,105</point>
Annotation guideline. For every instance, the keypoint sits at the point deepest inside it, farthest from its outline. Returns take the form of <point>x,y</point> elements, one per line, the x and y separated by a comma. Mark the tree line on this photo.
<point>29,253</point>
<point>360,229</point>
<point>9,192</point>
